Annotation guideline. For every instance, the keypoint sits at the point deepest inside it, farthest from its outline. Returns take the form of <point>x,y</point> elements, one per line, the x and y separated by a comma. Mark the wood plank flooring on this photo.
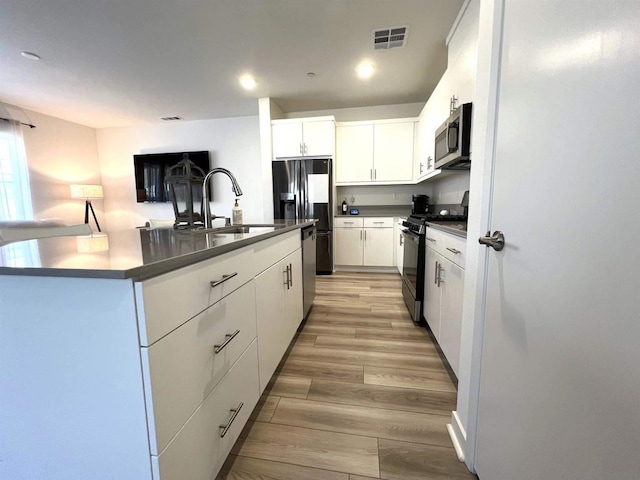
<point>362,394</point>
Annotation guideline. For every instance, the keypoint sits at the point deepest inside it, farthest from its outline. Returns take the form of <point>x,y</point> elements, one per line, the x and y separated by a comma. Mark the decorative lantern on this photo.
<point>184,181</point>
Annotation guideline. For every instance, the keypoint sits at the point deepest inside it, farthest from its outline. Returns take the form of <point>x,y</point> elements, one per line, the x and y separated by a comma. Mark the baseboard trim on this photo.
<point>458,435</point>
<point>365,269</point>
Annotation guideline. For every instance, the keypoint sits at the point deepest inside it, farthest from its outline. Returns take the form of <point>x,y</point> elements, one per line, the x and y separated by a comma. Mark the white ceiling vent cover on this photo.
<point>392,37</point>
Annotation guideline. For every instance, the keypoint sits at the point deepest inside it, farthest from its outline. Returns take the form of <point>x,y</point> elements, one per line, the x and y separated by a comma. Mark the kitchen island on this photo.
<point>143,361</point>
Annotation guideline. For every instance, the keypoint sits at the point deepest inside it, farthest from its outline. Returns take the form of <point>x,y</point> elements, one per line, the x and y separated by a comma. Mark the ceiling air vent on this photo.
<point>392,37</point>
<point>171,119</point>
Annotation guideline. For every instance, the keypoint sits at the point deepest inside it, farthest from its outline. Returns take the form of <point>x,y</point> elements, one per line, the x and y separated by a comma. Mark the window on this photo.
<point>15,193</point>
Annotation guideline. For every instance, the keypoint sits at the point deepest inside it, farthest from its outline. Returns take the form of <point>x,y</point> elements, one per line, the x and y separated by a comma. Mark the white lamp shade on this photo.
<point>86,191</point>
<point>92,243</point>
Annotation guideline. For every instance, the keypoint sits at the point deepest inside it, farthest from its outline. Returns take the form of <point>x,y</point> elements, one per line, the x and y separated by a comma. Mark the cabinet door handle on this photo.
<point>435,276</point>
<point>305,148</point>
<point>229,337</point>
<point>377,222</point>
<point>453,250</point>
<point>375,174</point>
<point>215,283</point>
<point>371,174</point>
<point>360,235</point>
<point>288,282</point>
<point>430,239</point>
<point>365,235</point>
<point>290,275</point>
<point>225,428</point>
<point>401,240</point>
<point>420,167</point>
<point>440,269</point>
<point>349,223</point>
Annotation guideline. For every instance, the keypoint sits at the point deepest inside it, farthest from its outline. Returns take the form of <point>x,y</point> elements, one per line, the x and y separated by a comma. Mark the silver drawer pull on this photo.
<point>378,222</point>
<point>225,428</point>
<point>350,223</point>
<point>431,239</point>
<point>223,279</point>
<point>230,336</point>
<point>453,250</point>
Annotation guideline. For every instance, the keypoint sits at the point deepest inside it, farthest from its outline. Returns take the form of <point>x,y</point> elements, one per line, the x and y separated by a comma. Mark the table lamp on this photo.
<point>87,192</point>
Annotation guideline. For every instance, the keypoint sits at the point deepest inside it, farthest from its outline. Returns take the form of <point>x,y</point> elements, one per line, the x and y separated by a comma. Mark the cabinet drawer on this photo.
<point>182,368</point>
<point>198,451</point>
<point>348,222</point>
<point>166,302</point>
<point>455,249</point>
<point>378,222</point>
<point>435,239</point>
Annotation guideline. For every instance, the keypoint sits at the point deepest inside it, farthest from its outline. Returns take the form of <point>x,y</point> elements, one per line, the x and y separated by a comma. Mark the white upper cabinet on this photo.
<point>393,152</point>
<point>375,152</point>
<point>354,153</point>
<point>303,137</point>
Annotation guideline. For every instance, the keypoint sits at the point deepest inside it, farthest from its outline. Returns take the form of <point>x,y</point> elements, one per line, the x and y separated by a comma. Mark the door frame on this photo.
<point>463,427</point>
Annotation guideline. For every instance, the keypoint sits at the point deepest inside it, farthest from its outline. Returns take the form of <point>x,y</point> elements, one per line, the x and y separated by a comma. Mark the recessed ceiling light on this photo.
<point>365,70</point>
<point>248,82</point>
<point>30,56</point>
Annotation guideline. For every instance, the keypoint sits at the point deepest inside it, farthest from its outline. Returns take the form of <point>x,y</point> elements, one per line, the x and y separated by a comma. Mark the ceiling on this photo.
<point>107,63</point>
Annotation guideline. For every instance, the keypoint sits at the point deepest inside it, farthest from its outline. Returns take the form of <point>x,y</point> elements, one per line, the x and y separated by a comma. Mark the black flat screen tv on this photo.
<point>151,170</point>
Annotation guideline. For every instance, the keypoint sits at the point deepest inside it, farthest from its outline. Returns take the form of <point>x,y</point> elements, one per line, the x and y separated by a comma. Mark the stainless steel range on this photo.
<point>413,265</point>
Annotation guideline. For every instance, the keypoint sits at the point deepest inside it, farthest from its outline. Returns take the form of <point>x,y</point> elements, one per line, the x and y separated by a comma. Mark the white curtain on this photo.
<point>15,193</point>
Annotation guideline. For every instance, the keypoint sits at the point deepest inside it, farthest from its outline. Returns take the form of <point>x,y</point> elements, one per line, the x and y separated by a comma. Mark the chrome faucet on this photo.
<point>208,218</point>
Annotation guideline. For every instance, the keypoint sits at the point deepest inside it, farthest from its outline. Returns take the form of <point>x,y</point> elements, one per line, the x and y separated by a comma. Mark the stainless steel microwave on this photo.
<point>453,140</point>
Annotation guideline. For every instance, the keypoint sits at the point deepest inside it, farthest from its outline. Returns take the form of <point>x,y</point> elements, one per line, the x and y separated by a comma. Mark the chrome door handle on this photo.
<point>288,282</point>
<point>440,269</point>
<point>225,428</point>
<point>453,250</point>
<point>215,283</point>
<point>360,235</point>
<point>435,275</point>
<point>229,337</point>
<point>375,174</point>
<point>365,235</point>
<point>290,276</point>
<point>371,174</point>
<point>495,241</point>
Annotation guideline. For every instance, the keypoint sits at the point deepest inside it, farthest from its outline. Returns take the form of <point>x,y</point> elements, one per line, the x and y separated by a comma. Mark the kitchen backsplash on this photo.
<point>450,188</point>
<point>379,195</point>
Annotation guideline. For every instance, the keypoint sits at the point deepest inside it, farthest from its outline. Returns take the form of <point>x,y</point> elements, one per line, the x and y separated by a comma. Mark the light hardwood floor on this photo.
<point>361,394</point>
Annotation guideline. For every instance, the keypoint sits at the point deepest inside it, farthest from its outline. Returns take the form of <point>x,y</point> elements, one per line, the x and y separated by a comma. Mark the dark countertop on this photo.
<point>459,229</point>
<point>137,253</point>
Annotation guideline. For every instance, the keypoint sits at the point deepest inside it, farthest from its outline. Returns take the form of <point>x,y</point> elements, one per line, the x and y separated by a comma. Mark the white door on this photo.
<point>349,246</point>
<point>271,319</point>
<point>393,152</point>
<point>431,306</point>
<point>287,139</point>
<point>451,287</point>
<point>378,247</point>
<point>319,138</point>
<point>294,292</point>
<point>560,372</point>
<point>354,153</point>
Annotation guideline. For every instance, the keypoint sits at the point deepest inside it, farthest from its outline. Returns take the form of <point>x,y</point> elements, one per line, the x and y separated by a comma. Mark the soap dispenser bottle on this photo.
<point>236,214</point>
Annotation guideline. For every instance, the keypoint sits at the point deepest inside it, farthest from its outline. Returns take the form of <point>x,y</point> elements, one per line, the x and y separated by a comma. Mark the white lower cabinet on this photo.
<point>206,346</point>
<point>365,241</point>
<point>279,311</point>
<point>443,292</point>
<point>200,449</point>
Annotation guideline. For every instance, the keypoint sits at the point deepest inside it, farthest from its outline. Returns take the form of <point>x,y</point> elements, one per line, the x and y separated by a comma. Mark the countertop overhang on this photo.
<point>136,254</point>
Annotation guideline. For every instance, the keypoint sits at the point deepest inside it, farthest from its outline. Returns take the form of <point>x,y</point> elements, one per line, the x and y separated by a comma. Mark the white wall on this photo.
<point>59,153</point>
<point>449,187</point>
<point>233,143</point>
<point>380,195</point>
<point>378,112</point>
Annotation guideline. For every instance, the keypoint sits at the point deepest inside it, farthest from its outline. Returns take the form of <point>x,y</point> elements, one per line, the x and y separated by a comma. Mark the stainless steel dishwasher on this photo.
<point>308,267</point>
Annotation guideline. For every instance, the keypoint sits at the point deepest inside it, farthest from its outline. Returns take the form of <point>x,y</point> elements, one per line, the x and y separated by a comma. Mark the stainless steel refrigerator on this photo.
<point>302,190</point>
